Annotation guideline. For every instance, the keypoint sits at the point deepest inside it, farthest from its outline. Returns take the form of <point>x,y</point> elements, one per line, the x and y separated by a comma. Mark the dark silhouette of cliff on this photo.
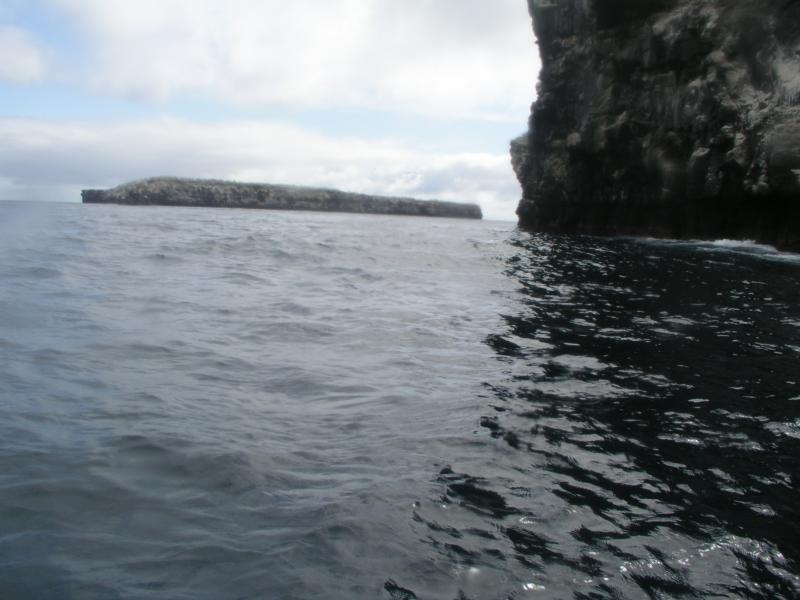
<point>670,118</point>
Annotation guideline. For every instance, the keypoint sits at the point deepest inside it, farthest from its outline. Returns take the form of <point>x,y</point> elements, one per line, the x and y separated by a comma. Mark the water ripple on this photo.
<point>203,403</point>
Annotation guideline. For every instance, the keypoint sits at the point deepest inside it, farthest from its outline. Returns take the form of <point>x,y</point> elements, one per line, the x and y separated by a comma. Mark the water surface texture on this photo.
<point>211,403</point>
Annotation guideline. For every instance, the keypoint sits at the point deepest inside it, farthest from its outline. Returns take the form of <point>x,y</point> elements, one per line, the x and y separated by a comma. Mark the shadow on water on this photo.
<point>644,437</point>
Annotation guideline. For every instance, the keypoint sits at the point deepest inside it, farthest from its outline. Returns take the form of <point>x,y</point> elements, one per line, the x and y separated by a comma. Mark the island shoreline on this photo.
<point>211,193</point>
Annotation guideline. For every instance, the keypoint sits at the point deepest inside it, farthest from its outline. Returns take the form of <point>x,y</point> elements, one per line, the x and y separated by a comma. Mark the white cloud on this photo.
<point>23,61</point>
<point>453,57</point>
<point>54,159</point>
<point>459,58</point>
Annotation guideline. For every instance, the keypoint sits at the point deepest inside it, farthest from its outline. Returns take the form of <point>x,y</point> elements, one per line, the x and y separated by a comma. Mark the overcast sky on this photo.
<point>411,97</point>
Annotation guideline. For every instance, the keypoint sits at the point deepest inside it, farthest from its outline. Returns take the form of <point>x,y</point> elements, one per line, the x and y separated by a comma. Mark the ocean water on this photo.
<point>203,403</point>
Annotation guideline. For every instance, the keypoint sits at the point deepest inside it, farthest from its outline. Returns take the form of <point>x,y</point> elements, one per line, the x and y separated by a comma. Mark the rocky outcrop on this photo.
<point>671,118</point>
<point>199,192</point>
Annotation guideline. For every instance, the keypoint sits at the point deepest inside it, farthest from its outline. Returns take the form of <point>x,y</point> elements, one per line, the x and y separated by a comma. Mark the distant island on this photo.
<point>173,191</point>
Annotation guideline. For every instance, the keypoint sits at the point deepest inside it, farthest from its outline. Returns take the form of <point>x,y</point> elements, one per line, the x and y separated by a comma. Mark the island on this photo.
<point>173,191</point>
<point>665,118</point>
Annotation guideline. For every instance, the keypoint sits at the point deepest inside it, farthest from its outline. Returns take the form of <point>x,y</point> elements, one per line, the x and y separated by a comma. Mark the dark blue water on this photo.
<point>238,404</point>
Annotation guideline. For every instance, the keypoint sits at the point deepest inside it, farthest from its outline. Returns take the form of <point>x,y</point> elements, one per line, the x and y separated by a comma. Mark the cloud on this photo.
<point>445,57</point>
<point>440,58</point>
<point>53,159</point>
<point>23,61</point>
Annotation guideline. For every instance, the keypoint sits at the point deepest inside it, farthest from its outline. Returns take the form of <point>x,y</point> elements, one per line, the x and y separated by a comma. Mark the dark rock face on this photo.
<point>671,118</point>
<point>169,191</point>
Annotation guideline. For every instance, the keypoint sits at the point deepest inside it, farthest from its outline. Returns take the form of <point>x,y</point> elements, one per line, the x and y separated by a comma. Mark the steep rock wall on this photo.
<point>672,118</point>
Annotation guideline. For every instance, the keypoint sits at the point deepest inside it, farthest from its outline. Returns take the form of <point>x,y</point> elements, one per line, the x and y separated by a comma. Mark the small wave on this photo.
<point>751,248</point>
<point>9,344</point>
<point>164,258</point>
<point>242,278</point>
<point>362,274</point>
<point>40,273</point>
<point>263,419</point>
<point>744,247</point>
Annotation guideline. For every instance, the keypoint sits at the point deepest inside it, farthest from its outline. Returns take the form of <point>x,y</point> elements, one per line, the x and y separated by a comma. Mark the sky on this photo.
<point>414,98</point>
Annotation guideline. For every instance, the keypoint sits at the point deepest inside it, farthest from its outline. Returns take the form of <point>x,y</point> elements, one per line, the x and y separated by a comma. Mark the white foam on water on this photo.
<point>745,247</point>
<point>726,243</point>
<point>752,248</point>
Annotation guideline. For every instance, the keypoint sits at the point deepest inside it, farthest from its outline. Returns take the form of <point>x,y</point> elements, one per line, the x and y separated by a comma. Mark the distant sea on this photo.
<point>232,404</point>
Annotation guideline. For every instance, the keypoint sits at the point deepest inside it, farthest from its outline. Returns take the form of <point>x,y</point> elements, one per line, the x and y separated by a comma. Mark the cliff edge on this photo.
<point>669,118</point>
<point>172,191</point>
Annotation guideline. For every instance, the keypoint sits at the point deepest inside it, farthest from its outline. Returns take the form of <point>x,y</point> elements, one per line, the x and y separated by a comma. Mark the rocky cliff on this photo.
<point>672,118</point>
<point>170,191</point>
